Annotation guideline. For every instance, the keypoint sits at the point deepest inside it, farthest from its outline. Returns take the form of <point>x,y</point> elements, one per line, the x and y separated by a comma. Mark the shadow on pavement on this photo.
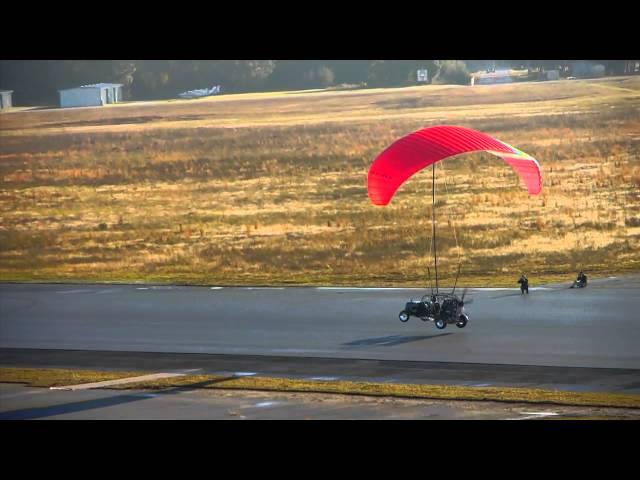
<point>43,412</point>
<point>393,340</point>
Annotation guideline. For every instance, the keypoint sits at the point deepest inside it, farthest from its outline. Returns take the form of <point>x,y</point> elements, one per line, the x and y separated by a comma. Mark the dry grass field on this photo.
<point>271,188</point>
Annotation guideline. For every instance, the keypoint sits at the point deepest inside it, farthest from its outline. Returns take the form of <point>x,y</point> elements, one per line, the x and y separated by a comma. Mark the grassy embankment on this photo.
<point>271,188</point>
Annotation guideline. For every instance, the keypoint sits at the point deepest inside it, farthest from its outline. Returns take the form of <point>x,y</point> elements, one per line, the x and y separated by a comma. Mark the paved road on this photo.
<point>577,379</point>
<point>18,402</point>
<point>553,326</point>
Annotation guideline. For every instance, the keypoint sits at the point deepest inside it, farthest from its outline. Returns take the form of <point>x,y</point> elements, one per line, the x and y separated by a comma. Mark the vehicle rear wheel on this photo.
<point>462,321</point>
<point>403,316</point>
<point>440,324</point>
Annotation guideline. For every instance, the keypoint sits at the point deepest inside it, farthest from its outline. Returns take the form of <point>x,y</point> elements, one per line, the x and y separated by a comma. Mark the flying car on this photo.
<point>441,308</point>
<point>417,151</point>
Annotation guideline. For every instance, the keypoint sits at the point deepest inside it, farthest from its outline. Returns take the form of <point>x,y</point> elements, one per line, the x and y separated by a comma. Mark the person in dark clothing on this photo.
<point>524,284</point>
<point>581,281</point>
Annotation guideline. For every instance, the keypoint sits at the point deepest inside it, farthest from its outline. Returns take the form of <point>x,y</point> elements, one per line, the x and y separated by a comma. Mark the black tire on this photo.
<point>440,324</point>
<point>462,321</point>
<point>403,316</point>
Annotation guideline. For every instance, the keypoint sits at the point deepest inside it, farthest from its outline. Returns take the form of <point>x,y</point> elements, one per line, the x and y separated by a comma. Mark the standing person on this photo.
<point>524,284</point>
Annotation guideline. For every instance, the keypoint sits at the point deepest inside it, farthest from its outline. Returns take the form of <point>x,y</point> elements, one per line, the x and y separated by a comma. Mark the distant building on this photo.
<point>5,99</point>
<point>91,95</point>
<point>587,69</point>
<point>552,74</point>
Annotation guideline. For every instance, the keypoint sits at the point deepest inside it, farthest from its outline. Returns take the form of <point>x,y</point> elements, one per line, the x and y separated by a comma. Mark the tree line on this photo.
<point>37,81</point>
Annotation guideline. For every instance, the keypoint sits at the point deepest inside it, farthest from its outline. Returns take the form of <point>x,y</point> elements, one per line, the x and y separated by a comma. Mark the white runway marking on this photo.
<point>266,404</point>
<point>216,288</point>
<point>366,288</point>
<point>142,288</point>
<point>532,415</point>
<point>497,289</point>
<point>325,379</point>
<point>108,383</point>
<point>263,288</point>
<point>244,374</point>
<point>494,289</point>
<point>385,289</point>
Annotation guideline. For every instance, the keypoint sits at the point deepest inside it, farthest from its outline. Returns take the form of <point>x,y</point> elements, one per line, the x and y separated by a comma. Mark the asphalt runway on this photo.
<point>596,327</point>
<point>577,379</point>
<point>18,402</point>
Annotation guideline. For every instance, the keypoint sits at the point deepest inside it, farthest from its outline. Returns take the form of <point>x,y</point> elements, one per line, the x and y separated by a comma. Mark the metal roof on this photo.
<point>95,85</point>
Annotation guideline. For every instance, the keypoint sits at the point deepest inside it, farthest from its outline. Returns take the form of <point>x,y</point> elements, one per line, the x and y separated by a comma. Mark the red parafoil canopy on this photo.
<point>421,149</point>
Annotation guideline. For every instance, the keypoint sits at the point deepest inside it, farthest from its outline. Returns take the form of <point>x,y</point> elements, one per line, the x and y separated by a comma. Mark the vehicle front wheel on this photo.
<point>462,321</point>
<point>440,324</point>
<point>404,316</point>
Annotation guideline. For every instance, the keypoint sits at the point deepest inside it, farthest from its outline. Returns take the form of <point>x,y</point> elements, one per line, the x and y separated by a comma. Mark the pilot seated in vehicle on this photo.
<point>435,306</point>
<point>450,307</point>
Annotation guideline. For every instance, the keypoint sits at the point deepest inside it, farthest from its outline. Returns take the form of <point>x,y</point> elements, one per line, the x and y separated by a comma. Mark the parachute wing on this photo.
<point>423,148</point>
